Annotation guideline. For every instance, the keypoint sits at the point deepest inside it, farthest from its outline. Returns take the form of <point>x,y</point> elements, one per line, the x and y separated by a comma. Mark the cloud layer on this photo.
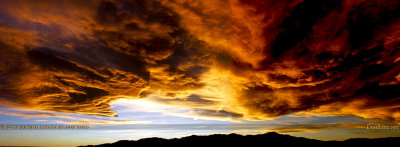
<point>252,60</point>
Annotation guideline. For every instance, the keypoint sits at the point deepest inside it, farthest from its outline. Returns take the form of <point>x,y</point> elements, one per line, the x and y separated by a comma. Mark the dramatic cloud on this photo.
<point>252,60</point>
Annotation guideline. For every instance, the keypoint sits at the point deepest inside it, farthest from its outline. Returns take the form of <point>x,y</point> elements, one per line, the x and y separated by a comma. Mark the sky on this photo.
<point>172,68</point>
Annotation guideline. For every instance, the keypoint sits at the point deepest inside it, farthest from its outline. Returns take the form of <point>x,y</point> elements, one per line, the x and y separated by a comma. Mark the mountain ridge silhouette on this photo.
<point>271,138</point>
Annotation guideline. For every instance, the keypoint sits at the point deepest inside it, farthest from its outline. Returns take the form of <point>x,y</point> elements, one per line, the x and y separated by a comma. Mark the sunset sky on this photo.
<point>130,69</point>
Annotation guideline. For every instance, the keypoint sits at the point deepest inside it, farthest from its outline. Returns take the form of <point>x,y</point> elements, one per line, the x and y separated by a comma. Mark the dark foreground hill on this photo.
<point>268,139</point>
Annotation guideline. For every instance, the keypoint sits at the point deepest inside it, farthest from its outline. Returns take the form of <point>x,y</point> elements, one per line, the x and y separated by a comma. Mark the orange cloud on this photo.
<point>35,115</point>
<point>257,60</point>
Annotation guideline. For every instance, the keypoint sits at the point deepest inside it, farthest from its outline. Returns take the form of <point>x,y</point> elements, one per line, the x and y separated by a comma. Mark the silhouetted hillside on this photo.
<point>268,139</point>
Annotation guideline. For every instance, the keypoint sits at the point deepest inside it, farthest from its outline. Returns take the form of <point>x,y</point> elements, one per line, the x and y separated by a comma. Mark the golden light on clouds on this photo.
<point>217,59</point>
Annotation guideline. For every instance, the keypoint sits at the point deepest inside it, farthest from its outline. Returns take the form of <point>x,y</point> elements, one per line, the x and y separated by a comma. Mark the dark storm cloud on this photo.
<point>299,24</point>
<point>110,52</point>
<point>249,59</point>
<point>337,55</point>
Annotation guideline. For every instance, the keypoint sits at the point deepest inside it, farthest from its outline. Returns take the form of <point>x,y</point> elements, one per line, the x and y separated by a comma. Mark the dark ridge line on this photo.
<point>271,138</point>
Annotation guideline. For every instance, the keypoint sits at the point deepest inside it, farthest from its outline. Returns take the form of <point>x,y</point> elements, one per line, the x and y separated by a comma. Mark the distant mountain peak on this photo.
<point>270,138</point>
